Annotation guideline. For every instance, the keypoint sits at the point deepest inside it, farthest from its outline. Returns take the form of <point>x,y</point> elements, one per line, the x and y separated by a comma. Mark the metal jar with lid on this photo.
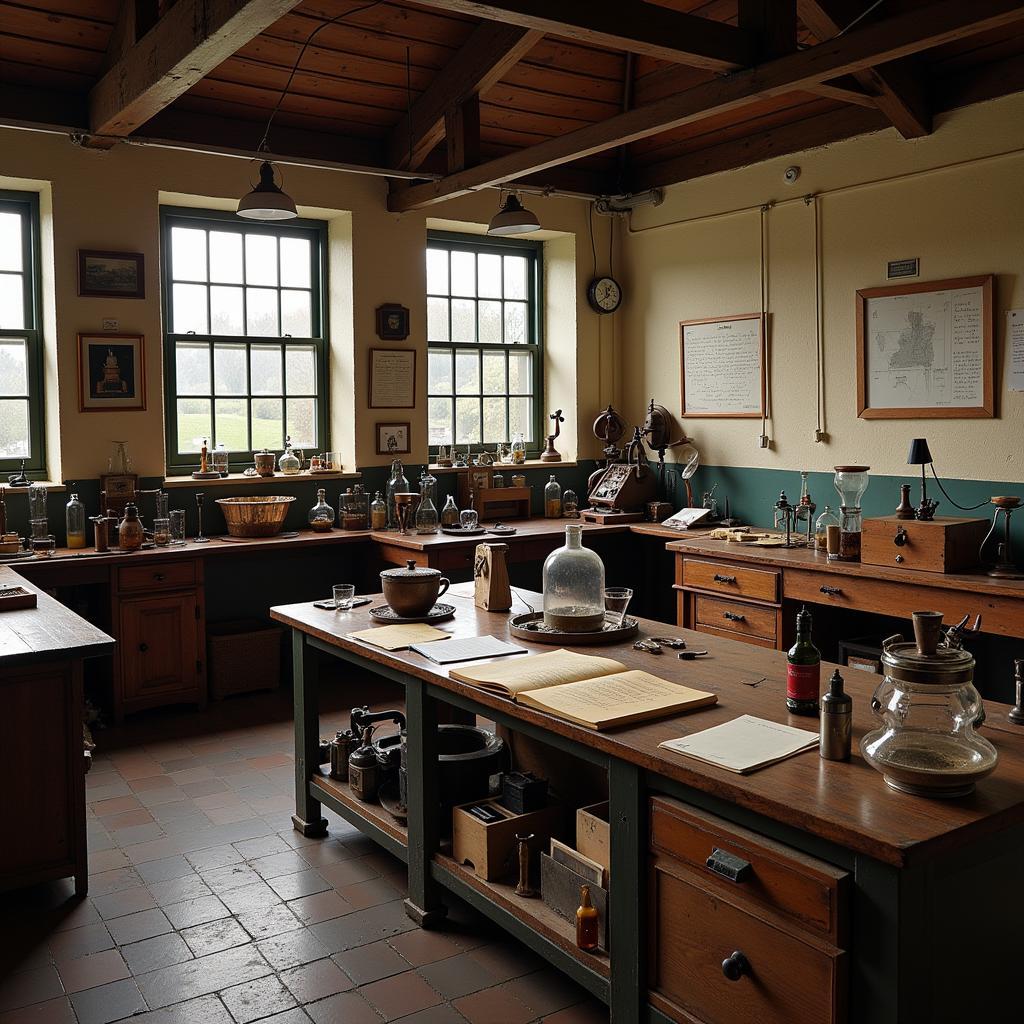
<point>412,591</point>
<point>927,744</point>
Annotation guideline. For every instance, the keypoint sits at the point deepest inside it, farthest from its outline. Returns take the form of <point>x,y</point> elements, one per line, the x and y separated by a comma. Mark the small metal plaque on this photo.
<point>895,269</point>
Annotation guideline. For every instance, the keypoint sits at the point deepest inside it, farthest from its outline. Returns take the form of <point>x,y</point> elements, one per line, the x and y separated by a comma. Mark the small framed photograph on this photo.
<point>111,372</point>
<point>393,439</point>
<point>116,275</point>
<point>392,322</point>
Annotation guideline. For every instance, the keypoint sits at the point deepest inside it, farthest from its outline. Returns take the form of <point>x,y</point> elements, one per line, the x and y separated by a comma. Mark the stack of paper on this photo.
<point>744,744</point>
<point>398,637</point>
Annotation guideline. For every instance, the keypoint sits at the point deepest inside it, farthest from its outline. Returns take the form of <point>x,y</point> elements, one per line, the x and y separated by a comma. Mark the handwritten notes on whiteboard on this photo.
<point>722,365</point>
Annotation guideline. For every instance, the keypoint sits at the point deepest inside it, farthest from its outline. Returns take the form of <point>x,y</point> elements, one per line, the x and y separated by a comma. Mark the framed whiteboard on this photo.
<point>722,366</point>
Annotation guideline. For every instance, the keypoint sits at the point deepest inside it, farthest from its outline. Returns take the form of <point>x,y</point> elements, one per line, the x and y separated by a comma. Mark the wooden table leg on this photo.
<point>307,818</point>
<point>627,813</point>
<point>424,903</point>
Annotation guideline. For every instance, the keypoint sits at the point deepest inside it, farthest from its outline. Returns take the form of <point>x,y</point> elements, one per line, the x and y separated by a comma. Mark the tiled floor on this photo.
<point>205,907</point>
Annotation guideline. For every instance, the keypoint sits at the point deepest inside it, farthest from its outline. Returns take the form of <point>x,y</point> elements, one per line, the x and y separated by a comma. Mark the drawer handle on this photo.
<point>733,617</point>
<point>735,966</point>
<point>719,578</point>
<point>159,577</point>
<point>728,865</point>
<point>143,648</point>
<point>830,590</point>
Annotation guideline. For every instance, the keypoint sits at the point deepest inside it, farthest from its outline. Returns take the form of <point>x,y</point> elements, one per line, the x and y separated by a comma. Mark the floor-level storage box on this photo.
<point>244,656</point>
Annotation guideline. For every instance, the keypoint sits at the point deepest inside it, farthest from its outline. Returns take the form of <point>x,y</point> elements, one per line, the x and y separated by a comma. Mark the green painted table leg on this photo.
<point>307,818</point>
<point>424,904</point>
<point>627,924</point>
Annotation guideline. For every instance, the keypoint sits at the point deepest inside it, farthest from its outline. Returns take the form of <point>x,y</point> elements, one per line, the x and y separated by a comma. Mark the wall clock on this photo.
<point>604,294</point>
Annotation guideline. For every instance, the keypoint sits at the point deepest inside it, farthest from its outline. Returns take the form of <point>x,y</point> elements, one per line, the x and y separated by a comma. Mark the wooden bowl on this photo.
<point>255,516</point>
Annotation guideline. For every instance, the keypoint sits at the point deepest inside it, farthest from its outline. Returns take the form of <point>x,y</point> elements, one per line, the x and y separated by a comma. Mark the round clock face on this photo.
<point>604,294</point>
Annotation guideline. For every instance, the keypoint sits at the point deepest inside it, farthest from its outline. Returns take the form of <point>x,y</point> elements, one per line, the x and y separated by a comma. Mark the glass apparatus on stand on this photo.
<point>41,541</point>
<point>397,484</point>
<point>427,518</point>
<point>574,586</point>
<point>850,482</point>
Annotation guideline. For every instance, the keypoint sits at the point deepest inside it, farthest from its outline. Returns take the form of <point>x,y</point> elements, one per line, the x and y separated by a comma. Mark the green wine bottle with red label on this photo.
<point>803,669</point>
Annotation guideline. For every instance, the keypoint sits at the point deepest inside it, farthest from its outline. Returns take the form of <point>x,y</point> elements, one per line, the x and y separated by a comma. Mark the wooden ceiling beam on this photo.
<point>899,88</point>
<point>480,63</point>
<point>876,43</point>
<point>642,28</point>
<point>189,41</point>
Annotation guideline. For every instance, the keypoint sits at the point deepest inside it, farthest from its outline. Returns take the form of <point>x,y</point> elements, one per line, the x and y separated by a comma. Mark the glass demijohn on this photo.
<point>289,463</point>
<point>321,515</point>
<point>574,586</point>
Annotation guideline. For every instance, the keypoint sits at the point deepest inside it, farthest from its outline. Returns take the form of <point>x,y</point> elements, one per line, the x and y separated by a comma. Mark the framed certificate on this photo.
<point>392,378</point>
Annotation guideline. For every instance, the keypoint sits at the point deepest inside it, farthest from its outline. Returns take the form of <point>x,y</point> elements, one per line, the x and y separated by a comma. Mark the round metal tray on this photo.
<point>458,531</point>
<point>385,613</point>
<point>522,627</point>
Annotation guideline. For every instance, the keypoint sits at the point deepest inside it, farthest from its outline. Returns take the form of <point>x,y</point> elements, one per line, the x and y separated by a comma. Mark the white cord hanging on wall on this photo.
<point>763,440</point>
<point>820,433</point>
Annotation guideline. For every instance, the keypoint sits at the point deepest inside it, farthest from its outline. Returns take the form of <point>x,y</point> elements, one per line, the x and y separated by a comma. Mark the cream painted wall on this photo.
<point>111,201</point>
<point>954,199</point>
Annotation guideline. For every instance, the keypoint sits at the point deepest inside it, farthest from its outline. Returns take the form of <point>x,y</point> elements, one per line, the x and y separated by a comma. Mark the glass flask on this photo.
<point>824,521</point>
<point>573,586</point>
<point>552,499</point>
<point>74,518</point>
<point>378,513</point>
<point>850,483</point>
<point>130,533</point>
<point>518,449</point>
<point>570,505</point>
<point>321,515</point>
<point>450,512</point>
<point>397,484</point>
<point>427,520</point>
<point>928,709</point>
<point>289,463</point>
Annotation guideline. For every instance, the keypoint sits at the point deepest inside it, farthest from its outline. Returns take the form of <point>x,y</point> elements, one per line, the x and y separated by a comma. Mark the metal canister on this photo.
<point>341,747</point>
<point>836,721</point>
<point>363,770</point>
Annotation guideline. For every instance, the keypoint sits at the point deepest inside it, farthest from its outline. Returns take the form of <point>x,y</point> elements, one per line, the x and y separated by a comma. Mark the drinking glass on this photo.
<point>616,601</point>
<point>161,532</point>
<point>344,595</point>
<point>177,518</point>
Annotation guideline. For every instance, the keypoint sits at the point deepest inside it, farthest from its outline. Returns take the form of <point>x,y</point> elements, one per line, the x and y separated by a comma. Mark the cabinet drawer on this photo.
<point>808,892</point>
<point>157,576</point>
<point>736,580</point>
<point>735,616</point>
<point>788,980</point>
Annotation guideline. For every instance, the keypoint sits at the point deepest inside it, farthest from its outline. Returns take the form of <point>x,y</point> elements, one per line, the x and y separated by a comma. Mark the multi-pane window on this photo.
<point>245,336</point>
<point>484,345</point>
<point>20,337</point>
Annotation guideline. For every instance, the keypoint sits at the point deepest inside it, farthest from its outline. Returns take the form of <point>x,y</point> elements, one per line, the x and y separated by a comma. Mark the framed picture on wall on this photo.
<point>393,439</point>
<point>392,322</point>
<point>116,275</point>
<point>111,372</point>
<point>392,378</point>
<point>722,366</point>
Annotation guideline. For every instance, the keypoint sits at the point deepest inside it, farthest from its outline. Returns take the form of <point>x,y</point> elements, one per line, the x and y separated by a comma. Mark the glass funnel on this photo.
<point>574,586</point>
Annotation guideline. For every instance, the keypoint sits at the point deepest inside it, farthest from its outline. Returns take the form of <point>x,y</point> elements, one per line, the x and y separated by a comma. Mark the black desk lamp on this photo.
<point>919,455</point>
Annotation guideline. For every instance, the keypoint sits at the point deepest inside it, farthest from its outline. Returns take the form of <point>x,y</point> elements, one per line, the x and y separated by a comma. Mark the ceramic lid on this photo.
<point>410,572</point>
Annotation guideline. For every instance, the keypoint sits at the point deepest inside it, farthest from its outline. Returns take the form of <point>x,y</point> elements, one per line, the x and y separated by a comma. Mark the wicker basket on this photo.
<point>255,517</point>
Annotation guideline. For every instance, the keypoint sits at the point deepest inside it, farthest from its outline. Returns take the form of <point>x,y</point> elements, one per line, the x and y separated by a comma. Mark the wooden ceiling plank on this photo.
<point>192,38</point>
<point>877,43</point>
<point>899,89</point>
<point>645,28</point>
<point>483,59</point>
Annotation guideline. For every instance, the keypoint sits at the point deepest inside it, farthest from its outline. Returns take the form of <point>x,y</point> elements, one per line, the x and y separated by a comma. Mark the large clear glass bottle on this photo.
<point>398,483</point>
<point>450,512</point>
<point>427,520</point>
<point>552,499</point>
<point>574,586</point>
<point>74,518</point>
<point>321,515</point>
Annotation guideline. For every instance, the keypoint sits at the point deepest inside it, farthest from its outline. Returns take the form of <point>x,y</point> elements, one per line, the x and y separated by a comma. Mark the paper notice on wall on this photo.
<point>1015,350</point>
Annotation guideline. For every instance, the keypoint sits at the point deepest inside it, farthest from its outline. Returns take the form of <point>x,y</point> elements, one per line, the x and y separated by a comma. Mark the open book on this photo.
<point>594,692</point>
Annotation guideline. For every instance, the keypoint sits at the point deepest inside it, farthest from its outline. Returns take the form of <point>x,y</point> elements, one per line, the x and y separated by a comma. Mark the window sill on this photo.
<point>50,485</point>
<point>529,464</point>
<point>234,479</point>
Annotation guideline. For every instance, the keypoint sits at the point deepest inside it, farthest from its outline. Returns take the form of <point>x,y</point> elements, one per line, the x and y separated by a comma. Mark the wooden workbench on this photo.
<point>849,905</point>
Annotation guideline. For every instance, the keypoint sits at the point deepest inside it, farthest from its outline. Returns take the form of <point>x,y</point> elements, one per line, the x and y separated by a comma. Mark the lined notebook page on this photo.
<point>549,669</point>
<point>467,649</point>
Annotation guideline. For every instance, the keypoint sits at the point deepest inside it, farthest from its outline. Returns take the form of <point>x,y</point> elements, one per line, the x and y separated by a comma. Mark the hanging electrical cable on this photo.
<point>819,327</point>
<point>763,441</point>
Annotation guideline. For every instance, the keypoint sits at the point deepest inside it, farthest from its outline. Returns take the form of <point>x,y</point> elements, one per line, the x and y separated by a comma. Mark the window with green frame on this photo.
<point>21,345</point>
<point>484,354</point>
<point>245,356</point>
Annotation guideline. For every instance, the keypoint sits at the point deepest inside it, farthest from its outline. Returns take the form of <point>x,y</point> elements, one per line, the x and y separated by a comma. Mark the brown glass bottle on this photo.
<point>803,669</point>
<point>586,921</point>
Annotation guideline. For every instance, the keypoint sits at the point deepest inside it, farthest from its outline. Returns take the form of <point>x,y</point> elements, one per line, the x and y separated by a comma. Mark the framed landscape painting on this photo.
<point>119,275</point>
<point>111,372</point>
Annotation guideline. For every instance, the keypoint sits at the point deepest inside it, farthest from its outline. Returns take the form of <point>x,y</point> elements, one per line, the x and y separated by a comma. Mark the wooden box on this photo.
<point>244,657</point>
<point>944,544</point>
<point>491,849</point>
<point>560,890</point>
<point>493,503</point>
<point>592,834</point>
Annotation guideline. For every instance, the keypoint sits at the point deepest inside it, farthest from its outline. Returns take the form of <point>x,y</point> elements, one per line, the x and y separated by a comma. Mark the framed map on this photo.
<point>926,350</point>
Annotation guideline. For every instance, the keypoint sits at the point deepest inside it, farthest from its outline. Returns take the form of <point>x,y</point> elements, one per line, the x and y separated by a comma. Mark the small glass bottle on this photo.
<point>450,513</point>
<point>825,520</point>
<point>398,483</point>
<point>321,515</point>
<point>378,513</point>
<point>518,449</point>
<point>803,669</point>
<point>498,480</point>
<point>427,520</point>
<point>130,532</point>
<point>289,463</point>
<point>552,499</point>
<point>74,518</point>
<point>570,505</point>
<point>586,921</point>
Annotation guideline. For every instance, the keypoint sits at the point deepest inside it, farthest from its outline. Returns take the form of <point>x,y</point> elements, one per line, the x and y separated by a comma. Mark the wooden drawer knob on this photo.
<point>143,648</point>
<point>159,577</point>
<point>735,966</point>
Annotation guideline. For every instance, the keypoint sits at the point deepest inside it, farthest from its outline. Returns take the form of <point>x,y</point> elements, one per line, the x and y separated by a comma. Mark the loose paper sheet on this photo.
<point>1015,350</point>
<point>744,744</point>
<point>468,649</point>
<point>395,638</point>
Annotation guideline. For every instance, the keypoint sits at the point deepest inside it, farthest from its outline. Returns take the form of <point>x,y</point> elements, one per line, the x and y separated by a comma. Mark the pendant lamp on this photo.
<point>512,218</point>
<point>267,201</point>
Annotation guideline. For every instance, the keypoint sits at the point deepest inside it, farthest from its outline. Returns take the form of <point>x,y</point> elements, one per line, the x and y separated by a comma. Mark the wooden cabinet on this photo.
<point>756,941</point>
<point>161,637</point>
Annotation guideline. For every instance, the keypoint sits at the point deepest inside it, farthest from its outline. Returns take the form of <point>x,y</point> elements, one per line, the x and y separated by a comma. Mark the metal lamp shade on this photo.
<point>512,219</point>
<point>267,201</point>
<point>919,455</point>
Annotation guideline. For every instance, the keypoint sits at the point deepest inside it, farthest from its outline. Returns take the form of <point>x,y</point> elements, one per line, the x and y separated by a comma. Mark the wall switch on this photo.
<point>111,325</point>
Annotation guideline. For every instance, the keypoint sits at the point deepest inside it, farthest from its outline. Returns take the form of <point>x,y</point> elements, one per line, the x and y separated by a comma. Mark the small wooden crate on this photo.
<point>560,890</point>
<point>491,849</point>
<point>943,544</point>
<point>493,503</point>
<point>592,834</point>
<point>244,656</point>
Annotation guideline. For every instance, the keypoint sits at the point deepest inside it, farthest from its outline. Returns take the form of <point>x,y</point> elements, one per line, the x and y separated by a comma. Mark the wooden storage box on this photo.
<point>560,890</point>
<point>244,656</point>
<point>592,834</point>
<point>493,503</point>
<point>491,849</point>
<point>945,544</point>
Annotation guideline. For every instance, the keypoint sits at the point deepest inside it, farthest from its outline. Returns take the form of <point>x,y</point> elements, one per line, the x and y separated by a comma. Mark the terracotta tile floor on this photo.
<point>206,907</point>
